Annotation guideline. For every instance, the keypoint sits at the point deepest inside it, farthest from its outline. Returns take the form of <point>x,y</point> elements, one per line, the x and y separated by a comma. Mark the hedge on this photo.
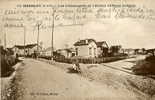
<point>89,60</point>
<point>145,67</point>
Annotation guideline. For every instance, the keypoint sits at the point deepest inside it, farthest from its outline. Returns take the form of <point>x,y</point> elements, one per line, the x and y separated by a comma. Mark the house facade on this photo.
<point>46,52</point>
<point>129,51</point>
<point>89,48</point>
<point>67,53</point>
<point>29,49</point>
<point>18,49</point>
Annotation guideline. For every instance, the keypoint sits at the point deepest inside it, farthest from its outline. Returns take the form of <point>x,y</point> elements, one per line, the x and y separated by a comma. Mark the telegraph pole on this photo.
<point>38,25</point>
<point>52,48</point>
<point>24,39</point>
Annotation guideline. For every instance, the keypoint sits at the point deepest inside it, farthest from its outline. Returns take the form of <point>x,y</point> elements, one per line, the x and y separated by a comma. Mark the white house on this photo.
<point>18,49</point>
<point>68,52</point>
<point>129,51</point>
<point>29,49</point>
<point>47,51</point>
<point>89,48</point>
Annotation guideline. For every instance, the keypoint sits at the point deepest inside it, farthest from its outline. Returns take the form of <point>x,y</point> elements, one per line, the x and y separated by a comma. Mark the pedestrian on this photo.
<point>76,65</point>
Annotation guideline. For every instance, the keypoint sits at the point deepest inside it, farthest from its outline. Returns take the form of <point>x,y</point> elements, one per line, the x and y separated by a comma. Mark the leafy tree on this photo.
<point>115,49</point>
<point>104,51</point>
<point>136,51</point>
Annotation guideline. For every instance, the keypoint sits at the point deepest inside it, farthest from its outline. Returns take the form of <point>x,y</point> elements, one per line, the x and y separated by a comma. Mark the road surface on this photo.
<point>38,80</point>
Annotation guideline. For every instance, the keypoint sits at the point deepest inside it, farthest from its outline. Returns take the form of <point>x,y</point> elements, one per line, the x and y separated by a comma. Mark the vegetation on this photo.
<point>145,67</point>
<point>115,49</point>
<point>7,61</point>
<point>86,60</point>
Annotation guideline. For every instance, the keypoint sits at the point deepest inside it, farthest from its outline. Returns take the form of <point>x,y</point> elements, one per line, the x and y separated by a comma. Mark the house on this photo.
<point>102,48</point>
<point>129,51</point>
<point>140,51</point>
<point>89,48</point>
<point>68,52</point>
<point>29,49</point>
<point>151,51</point>
<point>18,49</point>
<point>47,52</point>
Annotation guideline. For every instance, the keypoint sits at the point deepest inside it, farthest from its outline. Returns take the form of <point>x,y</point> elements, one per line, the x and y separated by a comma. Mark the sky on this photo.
<point>128,32</point>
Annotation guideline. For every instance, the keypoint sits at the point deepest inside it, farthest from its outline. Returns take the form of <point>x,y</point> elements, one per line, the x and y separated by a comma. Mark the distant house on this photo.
<point>140,51</point>
<point>18,49</point>
<point>47,52</point>
<point>89,48</point>
<point>151,51</point>
<point>29,49</point>
<point>129,51</point>
<point>68,52</point>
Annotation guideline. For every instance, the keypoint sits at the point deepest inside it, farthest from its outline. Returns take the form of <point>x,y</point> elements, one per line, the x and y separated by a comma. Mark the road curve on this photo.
<point>41,81</point>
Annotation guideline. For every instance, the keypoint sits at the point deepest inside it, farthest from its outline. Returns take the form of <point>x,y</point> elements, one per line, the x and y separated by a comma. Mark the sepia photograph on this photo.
<point>77,49</point>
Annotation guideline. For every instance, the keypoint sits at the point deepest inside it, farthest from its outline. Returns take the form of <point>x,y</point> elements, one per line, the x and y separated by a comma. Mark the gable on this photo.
<point>102,44</point>
<point>92,44</point>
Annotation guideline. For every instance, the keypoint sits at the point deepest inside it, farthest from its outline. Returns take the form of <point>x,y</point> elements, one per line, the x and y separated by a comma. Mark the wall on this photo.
<point>83,51</point>
<point>94,50</point>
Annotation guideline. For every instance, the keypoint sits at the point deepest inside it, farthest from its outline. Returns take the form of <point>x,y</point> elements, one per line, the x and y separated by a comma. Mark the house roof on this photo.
<point>84,42</point>
<point>31,45</point>
<point>99,44</point>
<point>19,46</point>
<point>87,41</point>
<point>70,50</point>
<point>67,49</point>
<point>27,46</point>
<point>151,49</point>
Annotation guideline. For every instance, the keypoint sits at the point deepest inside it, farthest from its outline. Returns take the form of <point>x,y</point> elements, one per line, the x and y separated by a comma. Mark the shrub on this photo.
<point>7,61</point>
<point>145,67</point>
<point>88,60</point>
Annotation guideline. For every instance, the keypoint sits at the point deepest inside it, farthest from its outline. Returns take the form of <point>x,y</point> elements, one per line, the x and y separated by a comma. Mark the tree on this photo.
<point>104,51</point>
<point>136,51</point>
<point>115,49</point>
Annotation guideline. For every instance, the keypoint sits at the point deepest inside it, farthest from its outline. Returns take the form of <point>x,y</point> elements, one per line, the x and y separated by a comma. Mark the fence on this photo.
<point>87,60</point>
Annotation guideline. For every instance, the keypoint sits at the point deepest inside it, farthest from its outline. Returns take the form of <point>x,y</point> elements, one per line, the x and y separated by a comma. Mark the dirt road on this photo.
<point>36,80</point>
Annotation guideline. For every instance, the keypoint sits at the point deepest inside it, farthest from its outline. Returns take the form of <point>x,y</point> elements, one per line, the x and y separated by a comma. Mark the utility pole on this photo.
<point>24,39</point>
<point>52,48</point>
<point>38,25</point>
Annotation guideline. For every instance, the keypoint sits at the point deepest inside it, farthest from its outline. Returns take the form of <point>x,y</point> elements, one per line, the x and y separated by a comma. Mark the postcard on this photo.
<point>77,49</point>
